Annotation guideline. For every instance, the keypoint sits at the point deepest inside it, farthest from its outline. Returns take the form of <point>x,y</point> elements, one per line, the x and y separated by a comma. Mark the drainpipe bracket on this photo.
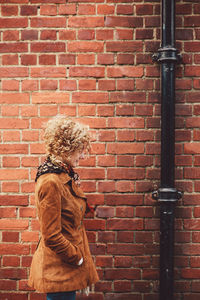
<point>167,54</point>
<point>170,195</point>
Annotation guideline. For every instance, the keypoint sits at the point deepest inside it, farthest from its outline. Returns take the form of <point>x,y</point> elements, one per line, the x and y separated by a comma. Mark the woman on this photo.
<point>62,263</point>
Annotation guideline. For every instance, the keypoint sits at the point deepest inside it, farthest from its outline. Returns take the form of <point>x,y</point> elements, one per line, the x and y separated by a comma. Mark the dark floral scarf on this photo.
<point>49,167</point>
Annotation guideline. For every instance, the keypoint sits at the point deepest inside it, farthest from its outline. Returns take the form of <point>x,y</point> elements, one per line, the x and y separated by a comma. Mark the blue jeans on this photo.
<point>62,296</point>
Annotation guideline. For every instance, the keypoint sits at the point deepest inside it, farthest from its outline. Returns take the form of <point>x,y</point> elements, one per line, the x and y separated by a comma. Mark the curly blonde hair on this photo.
<point>63,136</point>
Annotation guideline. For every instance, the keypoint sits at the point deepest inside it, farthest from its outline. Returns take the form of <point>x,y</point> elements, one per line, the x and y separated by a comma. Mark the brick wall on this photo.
<point>91,60</point>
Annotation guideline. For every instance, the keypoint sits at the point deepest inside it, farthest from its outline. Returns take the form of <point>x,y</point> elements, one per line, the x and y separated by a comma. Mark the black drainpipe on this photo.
<point>167,194</point>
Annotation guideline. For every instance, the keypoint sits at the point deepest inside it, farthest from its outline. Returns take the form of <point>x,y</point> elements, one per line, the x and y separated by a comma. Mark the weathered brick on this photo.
<point>89,22</point>
<point>37,22</point>
<point>124,21</point>
<point>11,35</point>
<point>28,10</point>
<point>48,47</point>
<point>66,34</point>
<point>86,46</point>
<point>48,35</point>
<point>85,59</point>
<point>9,10</point>
<point>48,10</point>
<point>13,22</point>
<point>124,46</point>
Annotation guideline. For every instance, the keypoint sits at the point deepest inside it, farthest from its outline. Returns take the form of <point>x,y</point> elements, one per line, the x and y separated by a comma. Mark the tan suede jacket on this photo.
<point>61,206</point>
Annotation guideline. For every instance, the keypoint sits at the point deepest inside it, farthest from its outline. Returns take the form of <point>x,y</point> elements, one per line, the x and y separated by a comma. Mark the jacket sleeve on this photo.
<point>49,206</point>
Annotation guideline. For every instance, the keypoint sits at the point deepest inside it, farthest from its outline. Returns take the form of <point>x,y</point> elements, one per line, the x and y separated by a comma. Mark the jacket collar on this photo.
<point>66,179</point>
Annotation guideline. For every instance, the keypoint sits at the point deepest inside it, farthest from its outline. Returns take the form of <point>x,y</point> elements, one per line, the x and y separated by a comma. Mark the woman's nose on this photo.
<point>82,156</point>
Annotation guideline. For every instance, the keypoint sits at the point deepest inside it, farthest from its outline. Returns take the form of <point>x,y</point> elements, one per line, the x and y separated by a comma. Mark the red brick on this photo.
<point>85,59</point>
<point>67,9</point>
<point>124,9</point>
<point>86,110</point>
<point>146,9</point>
<point>86,9</point>
<point>144,161</point>
<point>192,70</point>
<point>191,21</point>
<point>88,22</point>
<point>11,162</point>
<point>124,110</point>
<point>146,84</point>
<point>106,161</point>
<point>105,212</point>
<point>144,34</point>
<point>10,110</point>
<point>28,59</point>
<point>124,212</point>
<point>124,46</point>
<point>29,35</point>
<point>86,46</point>
<point>87,84</point>
<point>67,34</point>
<point>124,34</point>
<point>105,110</point>
<point>105,9</point>
<point>9,10</point>
<point>153,21</point>
<point>125,59</point>
<point>10,187</point>
<point>48,84</point>
<point>8,213</point>
<point>29,236</point>
<point>13,224</point>
<point>14,72</point>
<point>70,110</point>
<point>143,59</point>
<point>125,148</point>
<point>67,59</point>
<point>105,59</point>
<point>48,72</point>
<point>89,97</point>
<point>10,85</point>
<point>30,136</point>
<point>37,22</point>
<point>125,122</point>
<point>11,35</point>
<point>125,71</point>
<point>28,10</point>
<point>48,35</point>
<point>48,47</point>
<point>13,22</point>
<point>126,249</point>
<point>124,21</point>
<point>190,273</point>
<point>30,85</point>
<point>30,161</point>
<point>134,224</point>
<point>10,59</point>
<point>48,10</point>
<point>106,187</point>
<point>108,85</point>
<point>11,261</point>
<point>68,85</point>
<point>123,261</point>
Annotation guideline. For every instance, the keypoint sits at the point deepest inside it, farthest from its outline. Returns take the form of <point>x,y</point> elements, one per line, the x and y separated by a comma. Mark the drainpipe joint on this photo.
<point>166,195</point>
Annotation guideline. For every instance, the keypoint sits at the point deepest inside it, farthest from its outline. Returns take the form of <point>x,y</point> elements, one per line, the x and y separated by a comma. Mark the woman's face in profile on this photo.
<point>74,158</point>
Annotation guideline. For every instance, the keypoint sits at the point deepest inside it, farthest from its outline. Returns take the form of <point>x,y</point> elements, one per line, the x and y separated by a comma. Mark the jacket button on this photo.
<point>79,227</point>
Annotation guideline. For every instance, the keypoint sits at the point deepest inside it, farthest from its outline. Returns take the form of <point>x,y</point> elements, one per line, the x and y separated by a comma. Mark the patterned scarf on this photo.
<point>50,167</point>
